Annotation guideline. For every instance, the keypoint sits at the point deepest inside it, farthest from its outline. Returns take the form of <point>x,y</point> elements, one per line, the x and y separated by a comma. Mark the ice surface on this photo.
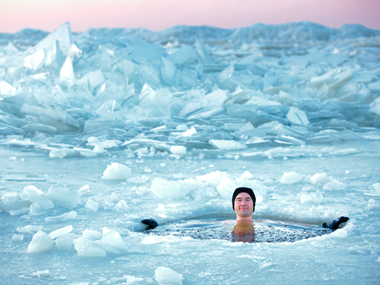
<point>289,110</point>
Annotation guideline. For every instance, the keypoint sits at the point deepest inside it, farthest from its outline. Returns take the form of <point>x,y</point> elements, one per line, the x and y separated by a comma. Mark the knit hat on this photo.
<point>245,190</point>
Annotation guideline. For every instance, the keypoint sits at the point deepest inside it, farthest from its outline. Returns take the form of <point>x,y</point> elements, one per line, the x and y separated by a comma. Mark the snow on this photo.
<point>101,129</point>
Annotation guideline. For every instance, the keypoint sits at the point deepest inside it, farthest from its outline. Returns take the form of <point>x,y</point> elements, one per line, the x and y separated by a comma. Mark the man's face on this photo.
<point>243,206</point>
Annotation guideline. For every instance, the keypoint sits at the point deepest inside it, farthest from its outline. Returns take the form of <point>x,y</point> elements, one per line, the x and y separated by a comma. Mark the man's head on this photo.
<point>243,202</point>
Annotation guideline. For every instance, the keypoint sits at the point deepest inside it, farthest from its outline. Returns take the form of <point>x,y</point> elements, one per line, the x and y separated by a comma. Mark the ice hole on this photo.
<point>225,227</point>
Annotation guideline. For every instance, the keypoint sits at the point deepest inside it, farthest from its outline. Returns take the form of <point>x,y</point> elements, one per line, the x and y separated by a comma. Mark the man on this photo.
<point>243,203</point>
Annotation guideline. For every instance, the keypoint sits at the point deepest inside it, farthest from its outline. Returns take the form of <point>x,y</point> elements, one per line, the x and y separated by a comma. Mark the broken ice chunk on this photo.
<point>92,235</point>
<point>85,247</point>
<point>227,144</point>
<point>296,116</point>
<point>11,201</point>
<point>375,107</point>
<point>226,187</point>
<point>315,198</point>
<point>375,86</point>
<point>91,205</point>
<point>165,275</point>
<point>63,197</point>
<point>325,78</point>
<point>319,178</point>
<point>189,132</point>
<point>61,232</point>
<point>121,206</point>
<point>116,171</point>
<point>62,218</point>
<point>180,150</point>
<point>183,56</point>
<point>17,237</point>
<point>171,189</point>
<point>290,178</point>
<point>34,195</point>
<point>84,190</point>
<point>377,188</point>
<point>5,88</point>
<point>42,273</point>
<point>40,242</point>
<point>168,72</point>
<point>35,60</point>
<point>29,229</point>
<point>334,185</point>
<point>112,242</point>
<point>139,180</point>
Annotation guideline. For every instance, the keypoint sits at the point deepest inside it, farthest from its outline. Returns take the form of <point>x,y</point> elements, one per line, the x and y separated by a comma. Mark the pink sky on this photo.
<point>160,14</point>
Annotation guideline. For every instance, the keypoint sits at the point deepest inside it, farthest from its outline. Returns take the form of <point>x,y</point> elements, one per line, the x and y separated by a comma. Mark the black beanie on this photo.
<point>245,190</point>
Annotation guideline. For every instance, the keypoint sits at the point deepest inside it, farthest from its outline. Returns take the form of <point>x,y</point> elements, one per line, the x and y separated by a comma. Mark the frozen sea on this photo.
<point>101,129</point>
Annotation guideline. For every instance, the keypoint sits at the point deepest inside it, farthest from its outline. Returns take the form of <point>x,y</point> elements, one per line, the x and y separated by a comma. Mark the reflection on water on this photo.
<point>240,231</point>
<point>243,231</point>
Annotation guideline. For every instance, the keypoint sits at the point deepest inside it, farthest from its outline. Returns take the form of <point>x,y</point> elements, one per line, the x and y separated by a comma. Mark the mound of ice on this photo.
<point>334,185</point>
<point>290,178</point>
<point>116,171</point>
<point>172,189</point>
<point>167,276</point>
<point>40,242</point>
<point>63,197</point>
<point>121,207</point>
<point>319,178</point>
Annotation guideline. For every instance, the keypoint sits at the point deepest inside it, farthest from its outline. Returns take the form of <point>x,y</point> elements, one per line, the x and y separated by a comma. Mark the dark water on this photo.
<point>258,231</point>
